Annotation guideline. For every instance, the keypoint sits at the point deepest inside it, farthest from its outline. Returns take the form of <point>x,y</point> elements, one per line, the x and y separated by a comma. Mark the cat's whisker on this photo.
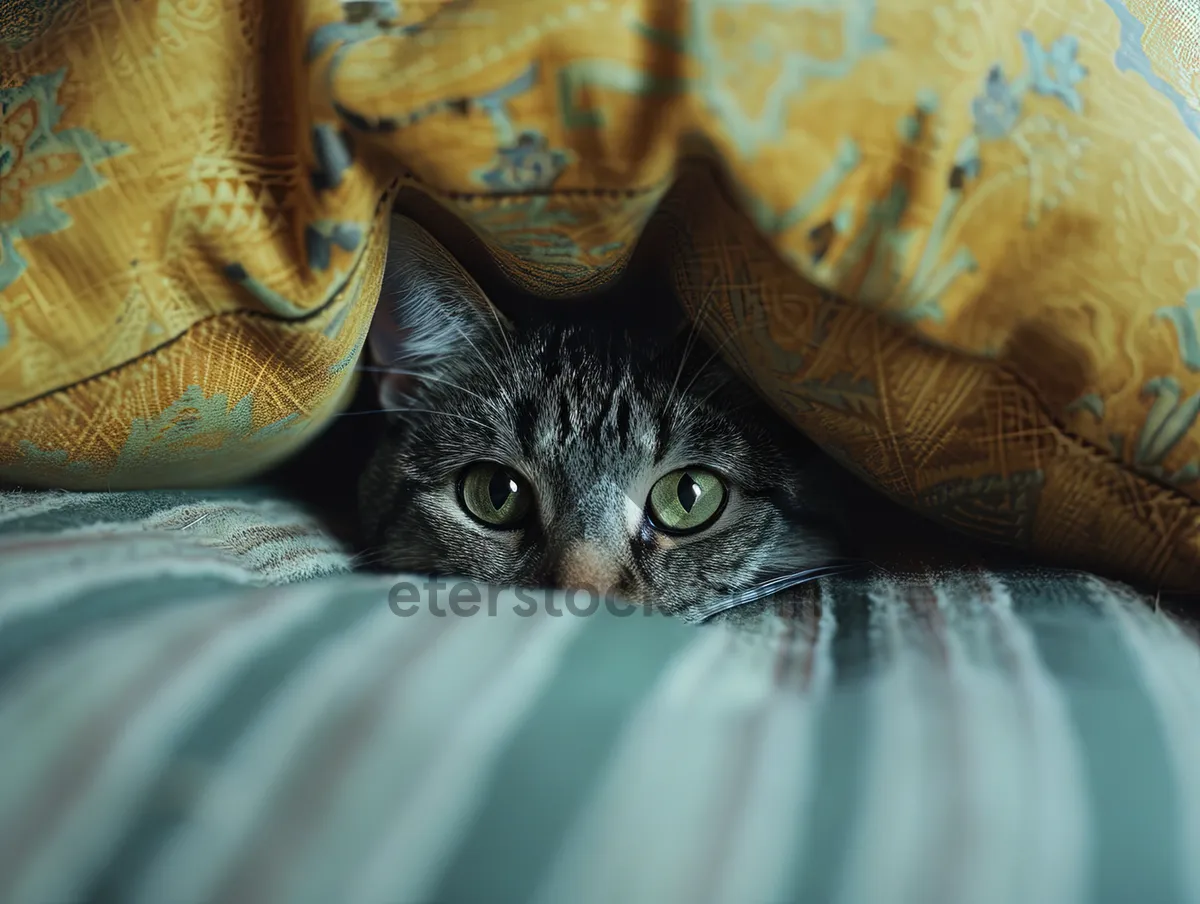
<point>693,335</point>
<point>368,557</point>
<point>407,410</point>
<point>420,375</point>
<point>512,357</point>
<point>500,385</point>
<point>698,404</point>
<point>733,334</point>
<point>770,587</point>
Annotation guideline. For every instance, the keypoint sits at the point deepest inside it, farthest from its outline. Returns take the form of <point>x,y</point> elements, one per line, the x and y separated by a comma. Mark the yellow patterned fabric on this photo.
<point>956,243</point>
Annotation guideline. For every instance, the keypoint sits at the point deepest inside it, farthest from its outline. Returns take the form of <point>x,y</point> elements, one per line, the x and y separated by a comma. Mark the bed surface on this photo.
<point>201,703</point>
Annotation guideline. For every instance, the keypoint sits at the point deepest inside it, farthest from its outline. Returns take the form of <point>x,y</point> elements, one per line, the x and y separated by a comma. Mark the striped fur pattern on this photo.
<point>176,735</point>
<point>591,414</point>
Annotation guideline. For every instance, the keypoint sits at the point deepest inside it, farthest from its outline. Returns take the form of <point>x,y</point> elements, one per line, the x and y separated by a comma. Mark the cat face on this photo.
<point>573,455</point>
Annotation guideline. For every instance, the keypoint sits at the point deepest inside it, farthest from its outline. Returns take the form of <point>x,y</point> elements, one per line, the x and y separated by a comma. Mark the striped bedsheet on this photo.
<point>199,703</point>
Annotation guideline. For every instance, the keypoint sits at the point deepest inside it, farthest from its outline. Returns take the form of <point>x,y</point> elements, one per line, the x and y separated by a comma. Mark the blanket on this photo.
<point>952,242</point>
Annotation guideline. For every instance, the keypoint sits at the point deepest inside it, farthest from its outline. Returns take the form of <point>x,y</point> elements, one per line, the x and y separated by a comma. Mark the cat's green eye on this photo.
<point>686,500</point>
<point>496,495</point>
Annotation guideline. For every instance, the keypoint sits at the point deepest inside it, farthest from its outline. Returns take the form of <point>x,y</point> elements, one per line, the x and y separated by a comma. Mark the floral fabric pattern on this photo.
<point>40,166</point>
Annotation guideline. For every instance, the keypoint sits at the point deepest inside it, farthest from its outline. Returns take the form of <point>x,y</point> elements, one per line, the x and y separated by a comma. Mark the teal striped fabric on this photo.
<point>200,703</point>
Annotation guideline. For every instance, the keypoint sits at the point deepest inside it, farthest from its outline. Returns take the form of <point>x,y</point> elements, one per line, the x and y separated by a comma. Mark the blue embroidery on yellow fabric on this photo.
<point>52,459</point>
<point>735,62</point>
<point>998,108</point>
<point>274,302</point>
<point>363,19</point>
<point>844,163</point>
<point>41,167</point>
<point>1051,153</point>
<point>524,160</point>
<point>1184,318</point>
<point>1052,72</point>
<point>528,165</point>
<point>1131,56</point>
<point>527,229</point>
<point>884,240</point>
<point>921,296</point>
<point>1189,473</point>
<point>659,36</point>
<point>495,103</point>
<point>350,358</point>
<point>1169,419</point>
<point>191,421</point>
<point>912,124</point>
<point>538,229</point>
<point>334,328</point>
<point>333,149</point>
<point>1055,72</point>
<point>605,249</point>
<point>1089,402</point>
<point>883,243</point>
<point>586,77</point>
<point>192,428</point>
<point>320,237</point>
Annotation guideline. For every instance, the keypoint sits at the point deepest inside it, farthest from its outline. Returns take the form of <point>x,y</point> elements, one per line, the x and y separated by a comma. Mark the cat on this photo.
<point>608,456</point>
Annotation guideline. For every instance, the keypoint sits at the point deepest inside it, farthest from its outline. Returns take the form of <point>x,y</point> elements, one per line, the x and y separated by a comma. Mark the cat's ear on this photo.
<point>430,314</point>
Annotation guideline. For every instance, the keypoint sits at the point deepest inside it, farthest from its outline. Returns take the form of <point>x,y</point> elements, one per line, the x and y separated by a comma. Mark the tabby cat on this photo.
<point>587,453</point>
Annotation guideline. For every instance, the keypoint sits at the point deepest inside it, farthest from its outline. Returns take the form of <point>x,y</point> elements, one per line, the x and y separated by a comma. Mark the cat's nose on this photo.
<point>585,566</point>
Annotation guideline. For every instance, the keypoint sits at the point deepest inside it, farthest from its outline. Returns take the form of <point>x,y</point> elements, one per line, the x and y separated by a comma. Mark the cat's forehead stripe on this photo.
<point>563,418</point>
<point>623,418</point>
